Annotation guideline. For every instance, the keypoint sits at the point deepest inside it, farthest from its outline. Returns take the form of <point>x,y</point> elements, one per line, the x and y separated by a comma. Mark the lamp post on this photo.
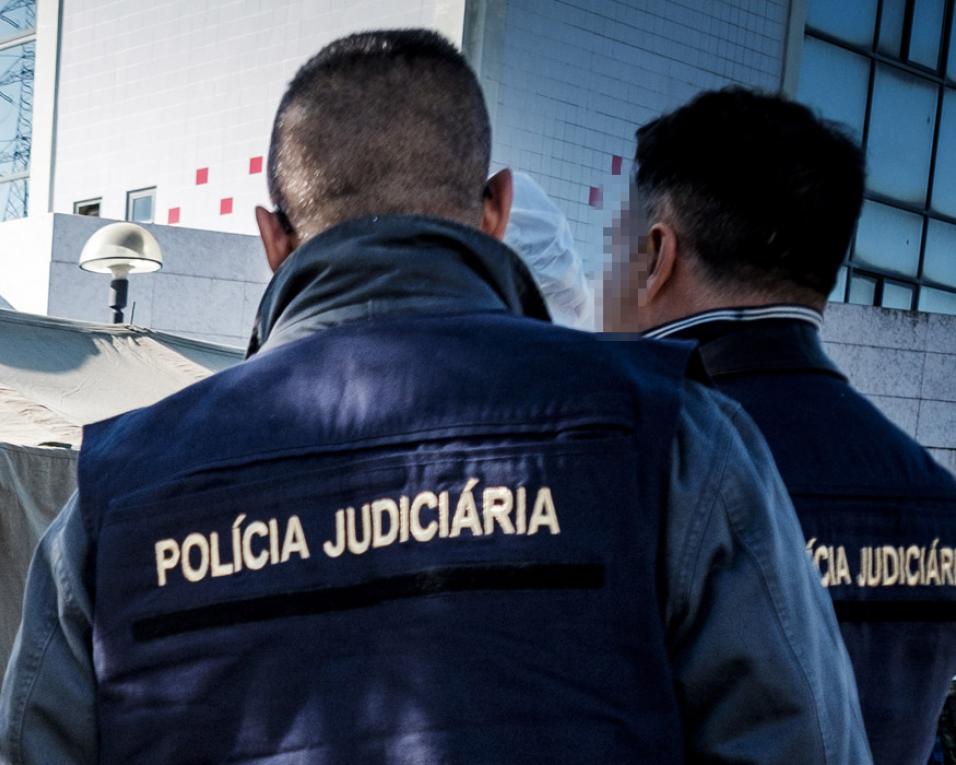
<point>121,249</point>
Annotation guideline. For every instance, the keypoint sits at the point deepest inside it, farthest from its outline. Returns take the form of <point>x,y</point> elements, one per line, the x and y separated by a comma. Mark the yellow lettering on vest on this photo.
<point>195,542</point>
<point>466,512</point>
<point>294,540</point>
<point>218,568</point>
<point>256,561</point>
<point>335,549</point>
<point>381,507</point>
<point>544,513</point>
<point>167,556</point>
<point>357,546</point>
<point>419,532</point>
<point>496,505</point>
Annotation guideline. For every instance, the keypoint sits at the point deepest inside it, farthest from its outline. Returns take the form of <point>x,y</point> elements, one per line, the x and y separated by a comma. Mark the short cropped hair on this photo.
<point>761,191</point>
<point>389,122</point>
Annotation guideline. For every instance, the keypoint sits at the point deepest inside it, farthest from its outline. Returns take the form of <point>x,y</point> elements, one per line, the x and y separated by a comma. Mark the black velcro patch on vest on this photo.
<point>437,581</point>
<point>895,611</point>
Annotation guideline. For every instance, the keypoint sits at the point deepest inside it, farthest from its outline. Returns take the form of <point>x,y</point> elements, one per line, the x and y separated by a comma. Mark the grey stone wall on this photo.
<point>905,362</point>
<point>209,288</point>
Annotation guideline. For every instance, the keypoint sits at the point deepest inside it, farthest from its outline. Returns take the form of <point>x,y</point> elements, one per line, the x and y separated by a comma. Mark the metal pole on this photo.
<point>119,291</point>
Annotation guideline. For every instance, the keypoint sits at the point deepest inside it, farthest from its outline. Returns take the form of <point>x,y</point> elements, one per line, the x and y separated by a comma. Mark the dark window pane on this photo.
<point>90,207</point>
<point>862,290</point>
<point>891,27</point>
<point>888,239</point>
<point>944,180</point>
<point>850,20</point>
<point>937,301</point>
<point>939,261</point>
<point>897,296</point>
<point>838,294</point>
<point>900,141</point>
<point>927,29</point>
<point>833,81</point>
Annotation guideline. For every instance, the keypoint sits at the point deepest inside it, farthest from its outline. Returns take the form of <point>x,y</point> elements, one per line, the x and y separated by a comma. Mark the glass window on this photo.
<point>951,66</point>
<point>900,142</point>
<point>937,301</point>
<point>837,295</point>
<point>139,205</point>
<point>16,97</point>
<point>891,27</point>
<point>89,207</point>
<point>944,178</point>
<point>939,260</point>
<point>850,20</point>
<point>13,199</point>
<point>18,19</point>
<point>927,29</point>
<point>862,290</point>
<point>897,295</point>
<point>833,81</point>
<point>888,239</point>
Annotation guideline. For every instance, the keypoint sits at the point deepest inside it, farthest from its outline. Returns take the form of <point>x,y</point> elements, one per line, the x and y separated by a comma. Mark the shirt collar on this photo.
<point>389,265</point>
<point>780,311</point>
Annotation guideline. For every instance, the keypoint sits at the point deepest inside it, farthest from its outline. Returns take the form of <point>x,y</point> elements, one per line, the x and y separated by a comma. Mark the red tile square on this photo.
<point>596,197</point>
<point>617,163</point>
<point>202,176</point>
<point>255,165</point>
<point>225,206</point>
<point>173,216</point>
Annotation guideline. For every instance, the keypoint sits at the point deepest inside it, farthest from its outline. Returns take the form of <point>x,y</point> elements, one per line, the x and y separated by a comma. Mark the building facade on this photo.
<point>160,111</point>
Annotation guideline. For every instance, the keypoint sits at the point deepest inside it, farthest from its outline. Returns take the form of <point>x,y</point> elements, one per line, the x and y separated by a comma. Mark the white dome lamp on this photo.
<point>121,249</point>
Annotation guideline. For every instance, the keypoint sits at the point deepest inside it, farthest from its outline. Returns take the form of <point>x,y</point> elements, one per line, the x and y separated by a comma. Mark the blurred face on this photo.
<point>627,268</point>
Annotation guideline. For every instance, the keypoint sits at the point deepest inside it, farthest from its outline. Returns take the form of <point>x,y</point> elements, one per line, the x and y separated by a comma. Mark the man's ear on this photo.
<point>662,245</point>
<point>499,192</point>
<point>276,239</point>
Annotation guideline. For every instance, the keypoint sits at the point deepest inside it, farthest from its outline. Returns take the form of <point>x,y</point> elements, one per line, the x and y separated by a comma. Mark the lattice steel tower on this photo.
<point>17,59</point>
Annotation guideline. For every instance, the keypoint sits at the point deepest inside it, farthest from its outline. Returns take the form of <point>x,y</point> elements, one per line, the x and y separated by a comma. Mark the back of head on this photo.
<point>380,123</point>
<point>762,193</point>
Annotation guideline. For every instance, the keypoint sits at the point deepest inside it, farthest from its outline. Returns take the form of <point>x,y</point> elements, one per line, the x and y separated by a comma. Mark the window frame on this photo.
<point>136,194</point>
<point>98,201</point>
<point>942,84</point>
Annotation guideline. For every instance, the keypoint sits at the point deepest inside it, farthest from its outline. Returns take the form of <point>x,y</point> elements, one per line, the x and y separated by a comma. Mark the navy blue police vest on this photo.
<point>878,513</point>
<point>414,540</point>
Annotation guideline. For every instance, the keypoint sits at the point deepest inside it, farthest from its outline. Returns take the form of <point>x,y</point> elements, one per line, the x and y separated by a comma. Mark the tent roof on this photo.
<point>57,375</point>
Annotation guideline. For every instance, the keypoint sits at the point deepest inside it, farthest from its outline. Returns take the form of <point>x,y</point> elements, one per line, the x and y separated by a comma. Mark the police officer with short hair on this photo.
<point>421,524</point>
<point>745,206</point>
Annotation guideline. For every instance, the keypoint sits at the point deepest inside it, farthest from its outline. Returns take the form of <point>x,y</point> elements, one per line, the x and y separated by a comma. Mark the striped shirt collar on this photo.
<point>798,312</point>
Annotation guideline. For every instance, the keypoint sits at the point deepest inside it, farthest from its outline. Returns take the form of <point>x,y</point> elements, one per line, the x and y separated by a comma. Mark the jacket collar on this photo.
<point>781,311</point>
<point>388,265</point>
<point>766,339</point>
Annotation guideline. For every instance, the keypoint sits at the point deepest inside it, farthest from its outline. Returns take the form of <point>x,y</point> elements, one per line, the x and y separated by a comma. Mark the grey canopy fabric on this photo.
<point>56,376</point>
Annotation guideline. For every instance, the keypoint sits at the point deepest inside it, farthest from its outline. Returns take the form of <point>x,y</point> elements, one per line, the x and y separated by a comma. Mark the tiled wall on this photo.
<point>905,362</point>
<point>180,95</point>
<point>569,81</point>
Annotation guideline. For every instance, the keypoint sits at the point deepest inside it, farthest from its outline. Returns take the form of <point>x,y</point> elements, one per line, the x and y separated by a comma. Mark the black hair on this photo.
<point>378,123</point>
<point>762,192</point>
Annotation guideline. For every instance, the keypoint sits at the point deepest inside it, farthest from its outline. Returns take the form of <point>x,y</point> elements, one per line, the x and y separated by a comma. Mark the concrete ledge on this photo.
<point>880,371</point>
<point>937,424</point>
<point>945,457</point>
<point>902,412</point>
<point>878,327</point>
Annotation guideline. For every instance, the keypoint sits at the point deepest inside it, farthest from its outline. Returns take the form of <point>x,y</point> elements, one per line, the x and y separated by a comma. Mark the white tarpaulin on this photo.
<point>55,377</point>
